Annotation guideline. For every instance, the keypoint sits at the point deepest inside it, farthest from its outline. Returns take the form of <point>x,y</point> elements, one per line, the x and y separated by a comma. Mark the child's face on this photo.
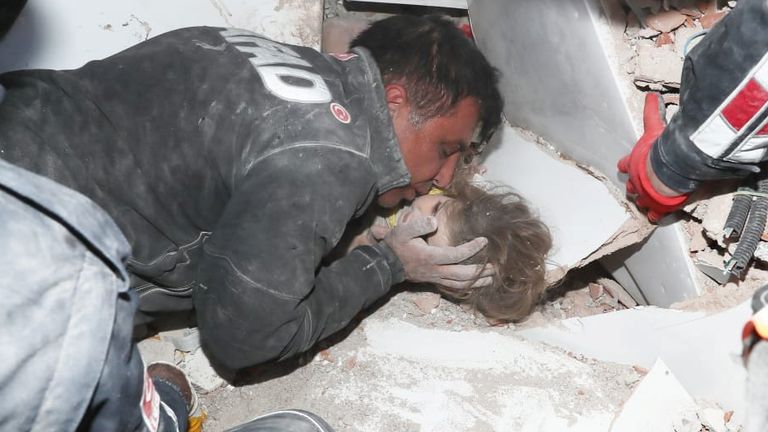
<point>433,205</point>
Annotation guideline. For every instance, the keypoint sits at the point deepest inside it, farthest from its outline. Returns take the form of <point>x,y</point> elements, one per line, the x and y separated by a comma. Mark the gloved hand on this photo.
<point>432,264</point>
<point>635,164</point>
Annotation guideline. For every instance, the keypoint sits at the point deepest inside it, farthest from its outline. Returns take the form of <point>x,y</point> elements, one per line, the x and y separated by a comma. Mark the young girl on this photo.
<point>518,244</point>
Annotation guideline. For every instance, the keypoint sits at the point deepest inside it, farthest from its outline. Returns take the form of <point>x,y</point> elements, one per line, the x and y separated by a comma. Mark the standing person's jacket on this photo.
<point>232,164</point>
<point>721,130</point>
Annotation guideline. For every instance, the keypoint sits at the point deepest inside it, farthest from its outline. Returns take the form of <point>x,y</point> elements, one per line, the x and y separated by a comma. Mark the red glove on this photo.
<point>636,164</point>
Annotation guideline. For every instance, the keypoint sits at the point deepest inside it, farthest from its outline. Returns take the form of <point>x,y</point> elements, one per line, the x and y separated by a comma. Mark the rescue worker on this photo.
<point>233,163</point>
<point>720,132</point>
<point>721,129</point>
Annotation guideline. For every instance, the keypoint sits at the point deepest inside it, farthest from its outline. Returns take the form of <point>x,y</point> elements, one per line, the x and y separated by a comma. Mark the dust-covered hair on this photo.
<point>436,64</point>
<point>518,245</point>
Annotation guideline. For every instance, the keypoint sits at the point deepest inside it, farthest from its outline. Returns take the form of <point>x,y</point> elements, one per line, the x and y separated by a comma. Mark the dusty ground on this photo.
<point>409,367</point>
<point>420,363</point>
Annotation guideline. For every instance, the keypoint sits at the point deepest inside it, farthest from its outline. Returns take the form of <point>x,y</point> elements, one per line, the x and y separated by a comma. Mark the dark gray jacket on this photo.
<point>721,130</point>
<point>232,164</point>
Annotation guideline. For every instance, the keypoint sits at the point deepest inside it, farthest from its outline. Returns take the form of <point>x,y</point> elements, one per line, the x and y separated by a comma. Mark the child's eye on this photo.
<point>436,208</point>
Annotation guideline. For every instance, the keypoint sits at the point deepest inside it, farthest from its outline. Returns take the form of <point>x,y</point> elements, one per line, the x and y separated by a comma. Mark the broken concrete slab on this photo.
<point>573,94</point>
<point>666,21</point>
<point>155,349</point>
<point>559,190</point>
<point>656,404</point>
<point>199,370</point>
<point>657,67</point>
<point>405,377</point>
<point>703,351</point>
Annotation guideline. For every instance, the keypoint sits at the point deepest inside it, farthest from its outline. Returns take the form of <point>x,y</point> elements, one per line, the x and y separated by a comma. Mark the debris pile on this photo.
<point>661,32</point>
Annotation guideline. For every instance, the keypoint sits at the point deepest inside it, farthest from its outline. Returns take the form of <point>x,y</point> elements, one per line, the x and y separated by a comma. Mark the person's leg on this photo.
<point>127,398</point>
<point>68,358</point>
<point>55,329</point>
<point>285,421</point>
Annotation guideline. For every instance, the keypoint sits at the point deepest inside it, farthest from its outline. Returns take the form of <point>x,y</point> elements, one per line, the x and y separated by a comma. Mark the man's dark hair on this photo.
<point>437,64</point>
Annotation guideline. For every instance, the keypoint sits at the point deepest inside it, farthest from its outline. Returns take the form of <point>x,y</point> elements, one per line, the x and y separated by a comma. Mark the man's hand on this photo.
<point>438,265</point>
<point>642,183</point>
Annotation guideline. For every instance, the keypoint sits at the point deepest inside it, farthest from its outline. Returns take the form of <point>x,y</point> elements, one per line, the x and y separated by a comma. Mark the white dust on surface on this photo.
<point>440,380</point>
<point>400,370</point>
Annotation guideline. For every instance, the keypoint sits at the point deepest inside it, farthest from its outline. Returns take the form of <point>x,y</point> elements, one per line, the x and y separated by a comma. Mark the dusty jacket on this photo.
<point>232,164</point>
<point>721,130</point>
<point>61,269</point>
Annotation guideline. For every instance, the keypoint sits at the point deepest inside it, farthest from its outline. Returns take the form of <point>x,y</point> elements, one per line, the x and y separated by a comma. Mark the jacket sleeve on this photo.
<point>262,294</point>
<point>720,131</point>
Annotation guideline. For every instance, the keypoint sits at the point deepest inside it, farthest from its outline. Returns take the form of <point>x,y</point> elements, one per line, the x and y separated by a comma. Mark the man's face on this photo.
<point>432,149</point>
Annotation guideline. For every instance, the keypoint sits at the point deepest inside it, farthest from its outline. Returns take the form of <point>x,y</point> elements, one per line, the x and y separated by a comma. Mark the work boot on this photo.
<point>285,421</point>
<point>177,393</point>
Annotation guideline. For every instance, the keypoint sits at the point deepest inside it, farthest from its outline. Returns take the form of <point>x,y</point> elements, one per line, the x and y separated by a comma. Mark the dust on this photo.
<point>445,370</point>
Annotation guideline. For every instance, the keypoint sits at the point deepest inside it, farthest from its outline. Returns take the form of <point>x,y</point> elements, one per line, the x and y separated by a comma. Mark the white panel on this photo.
<point>558,82</point>
<point>578,208</point>
<point>62,34</point>
<point>556,78</point>
<point>702,351</point>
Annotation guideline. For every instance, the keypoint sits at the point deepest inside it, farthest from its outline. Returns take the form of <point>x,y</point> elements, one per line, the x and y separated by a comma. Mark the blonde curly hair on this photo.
<point>518,245</point>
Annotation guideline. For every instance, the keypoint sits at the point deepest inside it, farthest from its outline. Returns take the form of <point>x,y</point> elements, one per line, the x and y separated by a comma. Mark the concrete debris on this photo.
<point>664,39</point>
<point>717,209</point>
<point>671,28</point>
<point>427,302</point>
<point>647,33</point>
<point>666,21</point>
<point>657,67</point>
<point>155,349</point>
<point>199,370</point>
<point>698,242</point>
<point>693,13</point>
<point>615,290</point>
<point>659,403</point>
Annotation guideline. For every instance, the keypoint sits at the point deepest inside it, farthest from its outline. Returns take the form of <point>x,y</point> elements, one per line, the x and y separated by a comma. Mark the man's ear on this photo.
<point>396,96</point>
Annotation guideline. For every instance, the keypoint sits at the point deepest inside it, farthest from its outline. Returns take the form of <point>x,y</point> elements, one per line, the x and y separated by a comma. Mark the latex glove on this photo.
<point>639,183</point>
<point>438,265</point>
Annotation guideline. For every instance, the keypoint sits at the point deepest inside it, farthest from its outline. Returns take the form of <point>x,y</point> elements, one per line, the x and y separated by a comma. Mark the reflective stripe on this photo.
<point>727,124</point>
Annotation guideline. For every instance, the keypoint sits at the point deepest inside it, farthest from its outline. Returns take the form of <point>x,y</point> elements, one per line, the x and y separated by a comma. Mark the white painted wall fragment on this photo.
<point>659,401</point>
<point>559,81</point>
<point>567,197</point>
<point>703,351</point>
<point>60,34</point>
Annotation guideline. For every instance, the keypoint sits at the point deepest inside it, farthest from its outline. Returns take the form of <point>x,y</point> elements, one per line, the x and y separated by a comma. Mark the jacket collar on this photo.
<point>385,149</point>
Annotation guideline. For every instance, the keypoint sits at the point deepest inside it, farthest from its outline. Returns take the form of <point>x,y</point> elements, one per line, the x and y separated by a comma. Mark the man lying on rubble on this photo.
<point>518,243</point>
<point>233,163</point>
<point>720,132</point>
